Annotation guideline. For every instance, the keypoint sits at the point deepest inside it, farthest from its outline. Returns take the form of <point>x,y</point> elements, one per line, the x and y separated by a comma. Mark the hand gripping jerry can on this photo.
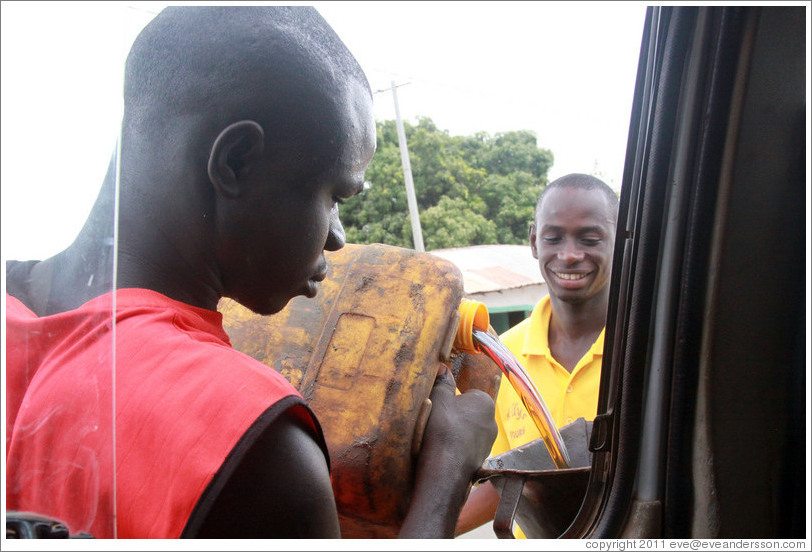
<point>364,354</point>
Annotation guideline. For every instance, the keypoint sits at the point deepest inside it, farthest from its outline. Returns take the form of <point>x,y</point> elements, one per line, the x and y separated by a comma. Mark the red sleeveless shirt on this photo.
<point>184,403</point>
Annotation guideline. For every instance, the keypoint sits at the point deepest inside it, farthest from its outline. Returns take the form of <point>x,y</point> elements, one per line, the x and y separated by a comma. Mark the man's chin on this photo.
<point>273,304</point>
<point>265,308</point>
<point>571,297</point>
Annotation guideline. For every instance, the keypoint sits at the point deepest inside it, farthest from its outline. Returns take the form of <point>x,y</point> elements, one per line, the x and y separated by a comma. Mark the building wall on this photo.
<point>509,307</point>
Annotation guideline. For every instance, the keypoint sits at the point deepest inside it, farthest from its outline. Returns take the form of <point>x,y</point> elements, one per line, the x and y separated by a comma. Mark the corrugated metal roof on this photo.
<point>493,267</point>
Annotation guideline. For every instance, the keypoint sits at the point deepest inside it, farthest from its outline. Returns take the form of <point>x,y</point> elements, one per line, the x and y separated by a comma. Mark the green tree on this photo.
<point>515,151</point>
<point>470,190</point>
<point>456,222</point>
<point>380,213</point>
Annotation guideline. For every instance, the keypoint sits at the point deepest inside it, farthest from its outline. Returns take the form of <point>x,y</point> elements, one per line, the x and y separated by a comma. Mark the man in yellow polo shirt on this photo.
<point>561,344</point>
<point>568,393</point>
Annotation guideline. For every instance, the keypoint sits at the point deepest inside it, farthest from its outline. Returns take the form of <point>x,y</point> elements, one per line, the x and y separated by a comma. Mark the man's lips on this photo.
<point>571,280</point>
<point>571,276</point>
<point>312,286</point>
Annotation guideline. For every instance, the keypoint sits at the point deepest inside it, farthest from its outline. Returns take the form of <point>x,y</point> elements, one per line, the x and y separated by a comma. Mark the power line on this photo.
<point>390,88</point>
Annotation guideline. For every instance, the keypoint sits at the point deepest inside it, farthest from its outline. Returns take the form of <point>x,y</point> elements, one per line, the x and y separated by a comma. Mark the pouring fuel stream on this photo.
<point>527,391</point>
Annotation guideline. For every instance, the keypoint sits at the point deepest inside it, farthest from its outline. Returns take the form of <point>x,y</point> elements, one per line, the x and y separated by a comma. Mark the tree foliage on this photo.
<point>471,190</point>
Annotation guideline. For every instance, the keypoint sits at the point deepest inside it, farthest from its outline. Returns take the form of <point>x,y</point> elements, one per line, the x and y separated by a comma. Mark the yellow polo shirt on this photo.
<point>568,396</point>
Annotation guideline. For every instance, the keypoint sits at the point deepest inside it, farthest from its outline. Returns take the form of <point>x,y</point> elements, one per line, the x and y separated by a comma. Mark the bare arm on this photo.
<point>458,438</point>
<point>281,489</point>
<point>479,509</point>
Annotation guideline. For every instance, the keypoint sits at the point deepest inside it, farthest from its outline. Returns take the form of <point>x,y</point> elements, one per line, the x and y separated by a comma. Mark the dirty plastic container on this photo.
<point>364,354</point>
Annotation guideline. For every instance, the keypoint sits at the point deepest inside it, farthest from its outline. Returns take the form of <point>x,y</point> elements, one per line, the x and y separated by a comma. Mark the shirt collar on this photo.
<point>536,339</point>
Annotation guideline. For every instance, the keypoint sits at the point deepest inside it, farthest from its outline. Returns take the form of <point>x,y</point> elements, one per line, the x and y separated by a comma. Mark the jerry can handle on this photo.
<point>420,427</point>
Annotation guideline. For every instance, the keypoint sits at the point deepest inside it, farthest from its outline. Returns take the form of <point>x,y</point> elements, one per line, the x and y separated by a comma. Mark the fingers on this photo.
<point>444,384</point>
<point>465,419</point>
<point>480,398</point>
<point>444,375</point>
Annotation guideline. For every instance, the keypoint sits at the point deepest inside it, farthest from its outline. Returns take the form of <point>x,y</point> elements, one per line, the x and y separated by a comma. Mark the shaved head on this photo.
<point>584,182</point>
<point>243,127</point>
<point>270,64</point>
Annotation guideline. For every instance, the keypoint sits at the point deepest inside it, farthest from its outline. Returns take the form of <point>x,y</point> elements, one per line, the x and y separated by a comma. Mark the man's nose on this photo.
<point>336,239</point>
<point>571,253</point>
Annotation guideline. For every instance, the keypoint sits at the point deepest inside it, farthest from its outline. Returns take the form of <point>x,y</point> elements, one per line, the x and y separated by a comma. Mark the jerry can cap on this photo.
<point>473,316</point>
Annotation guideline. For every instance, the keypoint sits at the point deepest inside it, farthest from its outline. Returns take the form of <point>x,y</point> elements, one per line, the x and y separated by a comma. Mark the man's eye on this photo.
<point>551,239</point>
<point>591,241</point>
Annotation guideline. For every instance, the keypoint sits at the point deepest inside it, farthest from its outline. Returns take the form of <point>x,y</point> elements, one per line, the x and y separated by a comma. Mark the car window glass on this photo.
<point>62,69</point>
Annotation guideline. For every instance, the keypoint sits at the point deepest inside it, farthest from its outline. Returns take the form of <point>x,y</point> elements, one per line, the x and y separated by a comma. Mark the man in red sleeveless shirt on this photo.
<point>243,130</point>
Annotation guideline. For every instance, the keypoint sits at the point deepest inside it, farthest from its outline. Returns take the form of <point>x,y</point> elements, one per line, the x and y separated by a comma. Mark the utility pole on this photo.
<point>417,233</point>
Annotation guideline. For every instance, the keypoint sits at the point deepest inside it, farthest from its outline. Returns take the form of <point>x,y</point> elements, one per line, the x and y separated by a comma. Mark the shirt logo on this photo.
<point>515,434</point>
<point>517,411</point>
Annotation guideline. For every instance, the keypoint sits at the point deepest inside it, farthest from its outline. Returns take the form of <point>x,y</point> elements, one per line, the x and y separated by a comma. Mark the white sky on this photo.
<point>564,70</point>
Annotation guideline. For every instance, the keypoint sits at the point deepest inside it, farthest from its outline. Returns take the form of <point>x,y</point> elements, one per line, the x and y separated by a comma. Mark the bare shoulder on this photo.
<point>279,489</point>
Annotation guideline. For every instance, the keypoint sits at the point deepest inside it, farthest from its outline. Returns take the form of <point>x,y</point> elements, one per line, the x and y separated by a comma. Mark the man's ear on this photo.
<point>236,147</point>
<point>533,240</point>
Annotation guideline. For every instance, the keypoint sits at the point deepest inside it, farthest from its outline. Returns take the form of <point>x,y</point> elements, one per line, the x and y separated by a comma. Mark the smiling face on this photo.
<point>573,240</point>
<point>274,245</point>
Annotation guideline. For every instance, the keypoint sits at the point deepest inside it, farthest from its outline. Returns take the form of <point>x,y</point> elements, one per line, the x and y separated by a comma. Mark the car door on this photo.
<point>703,404</point>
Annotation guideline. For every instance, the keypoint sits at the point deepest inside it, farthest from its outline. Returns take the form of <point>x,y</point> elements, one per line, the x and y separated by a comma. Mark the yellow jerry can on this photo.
<point>364,354</point>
